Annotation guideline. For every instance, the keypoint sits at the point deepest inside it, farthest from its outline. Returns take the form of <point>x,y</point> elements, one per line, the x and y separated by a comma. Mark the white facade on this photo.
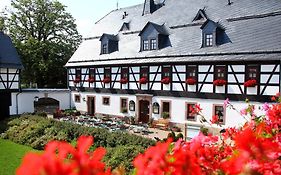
<point>23,102</point>
<point>177,111</point>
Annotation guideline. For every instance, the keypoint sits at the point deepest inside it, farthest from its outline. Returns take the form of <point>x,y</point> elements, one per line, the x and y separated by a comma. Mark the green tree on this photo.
<point>46,37</point>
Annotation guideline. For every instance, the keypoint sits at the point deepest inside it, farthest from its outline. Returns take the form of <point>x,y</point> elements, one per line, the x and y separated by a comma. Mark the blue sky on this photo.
<point>87,12</point>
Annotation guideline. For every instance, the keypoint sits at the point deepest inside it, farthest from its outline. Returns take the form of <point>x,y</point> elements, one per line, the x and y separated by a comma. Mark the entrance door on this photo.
<point>91,105</point>
<point>143,111</point>
<point>5,105</point>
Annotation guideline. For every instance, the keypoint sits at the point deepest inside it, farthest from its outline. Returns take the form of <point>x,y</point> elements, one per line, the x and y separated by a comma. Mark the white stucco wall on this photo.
<point>177,107</point>
<point>24,101</point>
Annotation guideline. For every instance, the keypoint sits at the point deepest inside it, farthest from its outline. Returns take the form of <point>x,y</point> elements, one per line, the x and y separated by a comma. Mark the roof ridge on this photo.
<point>263,15</point>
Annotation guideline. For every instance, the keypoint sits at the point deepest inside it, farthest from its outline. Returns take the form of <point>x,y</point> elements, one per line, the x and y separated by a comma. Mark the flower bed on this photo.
<point>250,83</point>
<point>190,81</point>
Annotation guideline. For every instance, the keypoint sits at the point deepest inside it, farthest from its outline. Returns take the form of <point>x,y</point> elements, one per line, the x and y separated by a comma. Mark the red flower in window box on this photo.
<point>143,80</point>
<point>190,81</point>
<point>77,80</point>
<point>250,83</point>
<point>91,80</point>
<point>165,80</point>
<point>219,82</point>
<point>106,80</point>
<point>123,81</point>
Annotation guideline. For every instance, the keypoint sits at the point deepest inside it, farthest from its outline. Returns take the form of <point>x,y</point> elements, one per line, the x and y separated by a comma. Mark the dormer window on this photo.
<point>104,49</point>
<point>153,44</point>
<point>154,37</point>
<point>208,40</point>
<point>109,43</point>
<point>213,34</point>
<point>145,45</point>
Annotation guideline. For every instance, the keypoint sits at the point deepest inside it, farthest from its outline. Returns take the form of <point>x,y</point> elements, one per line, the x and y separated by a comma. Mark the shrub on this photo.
<point>36,131</point>
<point>122,155</point>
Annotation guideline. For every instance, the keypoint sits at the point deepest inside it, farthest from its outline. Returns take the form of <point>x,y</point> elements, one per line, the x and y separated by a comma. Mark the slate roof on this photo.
<point>252,27</point>
<point>9,57</point>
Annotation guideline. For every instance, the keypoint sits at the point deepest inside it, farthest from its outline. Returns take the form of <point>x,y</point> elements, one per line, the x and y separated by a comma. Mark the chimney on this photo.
<point>149,7</point>
<point>229,2</point>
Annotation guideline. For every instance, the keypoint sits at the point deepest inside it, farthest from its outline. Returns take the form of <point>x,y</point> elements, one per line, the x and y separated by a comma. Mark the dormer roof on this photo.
<point>109,37</point>
<point>125,26</point>
<point>210,22</point>
<point>9,57</point>
<point>201,15</point>
<point>161,29</point>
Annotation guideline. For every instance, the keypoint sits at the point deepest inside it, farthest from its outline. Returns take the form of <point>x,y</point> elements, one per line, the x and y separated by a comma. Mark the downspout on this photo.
<point>17,101</point>
<point>69,90</point>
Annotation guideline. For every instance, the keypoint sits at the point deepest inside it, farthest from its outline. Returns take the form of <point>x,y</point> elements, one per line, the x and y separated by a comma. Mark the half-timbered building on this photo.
<point>160,58</point>
<point>10,66</point>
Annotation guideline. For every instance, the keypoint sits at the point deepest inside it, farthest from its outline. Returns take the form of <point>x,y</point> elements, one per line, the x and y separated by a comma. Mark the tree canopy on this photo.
<point>46,37</point>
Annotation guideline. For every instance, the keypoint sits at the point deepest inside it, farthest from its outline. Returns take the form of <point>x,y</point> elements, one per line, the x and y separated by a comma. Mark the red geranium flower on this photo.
<point>60,158</point>
<point>106,80</point>
<point>77,80</point>
<point>91,80</point>
<point>190,81</point>
<point>250,83</point>
<point>219,82</point>
<point>143,80</point>
<point>123,81</point>
<point>215,119</point>
<point>165,80</point>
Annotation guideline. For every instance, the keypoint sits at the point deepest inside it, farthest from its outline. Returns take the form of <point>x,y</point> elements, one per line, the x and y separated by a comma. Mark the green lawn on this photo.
<point>11,155</point>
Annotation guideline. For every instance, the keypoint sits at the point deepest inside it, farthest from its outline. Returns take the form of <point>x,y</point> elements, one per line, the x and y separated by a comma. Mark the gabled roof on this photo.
<point>201,15</point>
<point>251,26</point>
<point>109,36</point>
<point>217,24</point>
<point>125,26</point>
<point>9,57</point>
<point>161,29</point>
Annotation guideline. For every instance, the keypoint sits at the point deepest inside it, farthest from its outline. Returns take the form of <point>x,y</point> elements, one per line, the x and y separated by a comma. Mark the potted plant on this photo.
<point>165,80</point>
<point>123,81</point>
<point>91,80</point>
<point>190,81</point>
<point>219,82</point>
<point>250,83</point>
<point>143,80</point>
<point>77,80</point>
<point>106,80</point>
<point>165,115</point>
<point>124,110</point>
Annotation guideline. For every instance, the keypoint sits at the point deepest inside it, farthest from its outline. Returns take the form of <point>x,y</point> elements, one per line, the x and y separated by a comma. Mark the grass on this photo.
<point>11,155</point>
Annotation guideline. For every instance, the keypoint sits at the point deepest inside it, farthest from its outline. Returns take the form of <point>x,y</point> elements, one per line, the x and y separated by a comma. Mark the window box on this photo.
<point>91,80</point>
<point>123,81</point>
<point>165,80</point>
<point>190,81</point>
<point>106,80</point>
<point>250,83</point>
<point>219,82</point>
<point>143,80</point>
<point>77,80</point>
